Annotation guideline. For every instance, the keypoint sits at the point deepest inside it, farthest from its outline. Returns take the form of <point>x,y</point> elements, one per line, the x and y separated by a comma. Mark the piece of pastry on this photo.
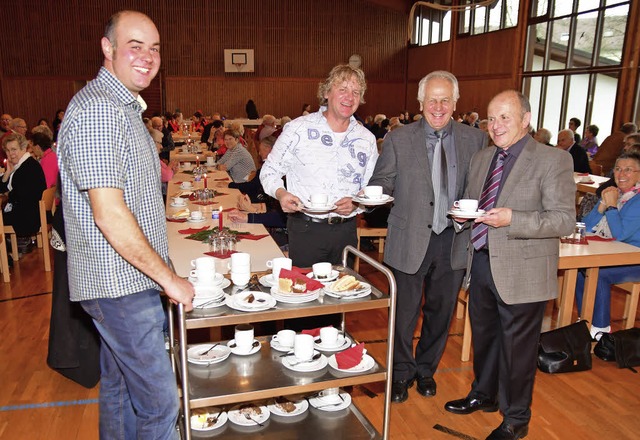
<point>285,285</point>
<point>182,214</point>
<point>285,404</point>
<point>299,286</point>
<point>346,282</point>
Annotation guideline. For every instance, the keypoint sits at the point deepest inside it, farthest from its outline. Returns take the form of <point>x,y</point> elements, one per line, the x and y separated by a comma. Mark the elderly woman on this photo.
<point>237,161</point>
<point>48,159</point>
<point>25,181</point>
<point>617,215</point>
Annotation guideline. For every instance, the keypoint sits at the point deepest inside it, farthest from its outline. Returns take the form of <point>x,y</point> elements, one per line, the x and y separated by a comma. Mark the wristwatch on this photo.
<point>611,208</point>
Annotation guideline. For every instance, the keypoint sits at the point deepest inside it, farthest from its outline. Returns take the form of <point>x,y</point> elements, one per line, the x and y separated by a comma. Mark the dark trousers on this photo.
<point>439,283</point>
<point>505,344</point>
<point>311,243</point>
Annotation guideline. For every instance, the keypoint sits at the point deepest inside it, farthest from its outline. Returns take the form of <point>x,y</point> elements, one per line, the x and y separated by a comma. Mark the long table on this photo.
<point>591,187</point>
<point>591,257</point>
<point>183,250</point>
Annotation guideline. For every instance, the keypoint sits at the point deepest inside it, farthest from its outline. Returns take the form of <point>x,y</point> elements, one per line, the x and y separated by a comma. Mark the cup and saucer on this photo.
<point>466,209</point>
<point>254,348</point>
<point>268,280</point>
<point>192,219</point>
<point>318,208</point>
<point>342,343</point>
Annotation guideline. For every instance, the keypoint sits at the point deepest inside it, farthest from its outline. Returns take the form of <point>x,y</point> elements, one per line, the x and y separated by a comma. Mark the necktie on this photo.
<point>488,201</point>
<point>439,181</point>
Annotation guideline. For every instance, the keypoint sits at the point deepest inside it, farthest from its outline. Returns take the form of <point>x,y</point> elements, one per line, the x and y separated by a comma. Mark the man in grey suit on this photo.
<point>424,166</point>
<point>528,191</point>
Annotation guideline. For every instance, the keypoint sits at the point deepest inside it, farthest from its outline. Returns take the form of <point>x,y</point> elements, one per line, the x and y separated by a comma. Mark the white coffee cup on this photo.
<point>186,165</point>
<point>279,263</point>
<point>204,263</point>
<point>244,338</point>
<point>211,161</point>
<point>329,336</point>
<point>321,270</point>
<point>196,215</point>
<point>466,205</point>
<point>185,185</point>
<point>373,192</point>
<point>240,278</point>
<point>203,275</point>
<point>303,347</point>
<point>285,338</point>
<point>178,201</point>
<point>319,199</point>
<point>240,259</point>
<point>330,395</point>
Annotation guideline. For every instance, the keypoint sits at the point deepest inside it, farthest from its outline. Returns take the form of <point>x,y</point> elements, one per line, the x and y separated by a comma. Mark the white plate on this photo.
<point>261,299</point>
<point>320,404</point>
<point>192,220</point>
<point>275,290</point>
<point>305,367</point>
<point>207,303</point>
<point>301,407</point>
<point>254,349</point>
<point>239,419</point>
<point>362,294</point>
<point>232,303</point>
<point>210,412</point>
<point>364,287</point>
<point>295,300</point>
<point>373,202</point>
<point>365,364</point>
<point>319,209</point>
<point>268,281</point>
<point>333,276</point>
<point>343,343</point>
<point>278,347</point>
<point>184,205</point>
<point>218,354</point>
<point>466,214</point>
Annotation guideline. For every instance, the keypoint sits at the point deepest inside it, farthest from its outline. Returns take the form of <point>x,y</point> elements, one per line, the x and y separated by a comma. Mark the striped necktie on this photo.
<point>488,201</point>
<point>439,181</point>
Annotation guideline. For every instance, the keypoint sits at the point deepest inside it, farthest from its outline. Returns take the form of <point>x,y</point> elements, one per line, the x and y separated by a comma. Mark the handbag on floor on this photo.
<point>565,349</point>
<point>622,346</point>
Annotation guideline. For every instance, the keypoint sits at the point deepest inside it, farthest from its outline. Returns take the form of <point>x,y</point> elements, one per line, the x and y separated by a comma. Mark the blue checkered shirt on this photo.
<point>103,143</point>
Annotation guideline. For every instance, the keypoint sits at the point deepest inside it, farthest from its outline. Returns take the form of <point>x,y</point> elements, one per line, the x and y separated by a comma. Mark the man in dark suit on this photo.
<point>528,191</point>
<point>424,166</point>
<point>579,154</point>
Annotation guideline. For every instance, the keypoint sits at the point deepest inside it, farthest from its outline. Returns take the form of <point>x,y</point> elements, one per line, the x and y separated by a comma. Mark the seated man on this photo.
<point>237,161</point>
<point>566,141</point>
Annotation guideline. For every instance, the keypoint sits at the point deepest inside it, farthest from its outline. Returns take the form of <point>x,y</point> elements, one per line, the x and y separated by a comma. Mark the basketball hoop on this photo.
<point>239,66</point>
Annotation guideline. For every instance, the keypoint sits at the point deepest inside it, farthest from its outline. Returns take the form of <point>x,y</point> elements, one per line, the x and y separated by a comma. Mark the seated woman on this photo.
<point>617,215</point>
<point>237,161</point>
<point>24,180</point>
<point>48,159</point>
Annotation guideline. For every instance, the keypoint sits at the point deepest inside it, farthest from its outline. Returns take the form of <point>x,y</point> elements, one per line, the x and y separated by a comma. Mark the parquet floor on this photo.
<point>37,403</point>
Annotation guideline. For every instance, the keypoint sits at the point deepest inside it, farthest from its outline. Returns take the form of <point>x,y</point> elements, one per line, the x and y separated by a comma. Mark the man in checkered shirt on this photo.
<point>116,233</point>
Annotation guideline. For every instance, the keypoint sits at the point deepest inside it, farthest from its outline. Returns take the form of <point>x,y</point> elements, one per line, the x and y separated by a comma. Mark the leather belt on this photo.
<point>328,220</point>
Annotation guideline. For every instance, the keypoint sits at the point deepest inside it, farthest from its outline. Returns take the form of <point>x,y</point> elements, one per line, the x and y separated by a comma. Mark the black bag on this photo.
<point>565,349</point>
<point>622,346</point>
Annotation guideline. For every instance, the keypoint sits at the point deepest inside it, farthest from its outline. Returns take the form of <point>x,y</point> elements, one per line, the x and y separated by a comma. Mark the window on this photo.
<point>501,14</point>
<point>573,61</point>
<point>431,25</point>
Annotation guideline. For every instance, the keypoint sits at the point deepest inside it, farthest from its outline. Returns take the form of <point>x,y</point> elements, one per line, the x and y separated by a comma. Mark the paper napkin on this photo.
<point>351,357</point>
<point>295,275</point>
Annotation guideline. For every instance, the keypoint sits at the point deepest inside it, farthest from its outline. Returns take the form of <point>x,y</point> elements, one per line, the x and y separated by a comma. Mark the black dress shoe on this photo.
<point>471,404</point>
<point>509,432</point>
<point>399,390</point>
<point>426,386</point>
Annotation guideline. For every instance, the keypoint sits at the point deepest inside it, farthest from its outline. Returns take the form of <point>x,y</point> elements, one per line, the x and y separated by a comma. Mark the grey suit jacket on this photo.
<point>541,192</point>
<point>404,172</point>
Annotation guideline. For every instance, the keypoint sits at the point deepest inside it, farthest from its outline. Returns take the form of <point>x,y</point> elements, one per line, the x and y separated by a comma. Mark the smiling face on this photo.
<point>230,141</point>
<point>507,123</point>
<point>626,174</point>
<point>135,57</point>
<point>343,99</point>
<point>438,104</point>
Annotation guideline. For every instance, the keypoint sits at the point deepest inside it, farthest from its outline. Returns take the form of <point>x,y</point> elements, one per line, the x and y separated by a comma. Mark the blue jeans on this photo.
<point>138,392</point>
<point>606,277</point>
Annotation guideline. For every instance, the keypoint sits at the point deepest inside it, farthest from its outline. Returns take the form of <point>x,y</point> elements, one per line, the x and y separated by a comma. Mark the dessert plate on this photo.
<point>364,287</point>
<point>237,416</point>
<point>321,404</point>
<point>363,200</point>
<point>202,418</point>
<point>217,354</point>
<point>301,406</point>
<point>264,302</point>
<point>365,364</point>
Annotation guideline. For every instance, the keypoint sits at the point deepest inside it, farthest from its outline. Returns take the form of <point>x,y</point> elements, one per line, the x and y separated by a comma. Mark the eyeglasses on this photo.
<point>624,170</point>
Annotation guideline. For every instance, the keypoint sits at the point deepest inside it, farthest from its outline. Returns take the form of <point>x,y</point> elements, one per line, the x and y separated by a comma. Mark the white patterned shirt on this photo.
<point>103,143</point>
<point>315,160</point>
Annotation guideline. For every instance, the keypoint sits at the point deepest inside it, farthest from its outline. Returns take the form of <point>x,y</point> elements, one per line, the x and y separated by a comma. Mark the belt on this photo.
<point>328,220</point>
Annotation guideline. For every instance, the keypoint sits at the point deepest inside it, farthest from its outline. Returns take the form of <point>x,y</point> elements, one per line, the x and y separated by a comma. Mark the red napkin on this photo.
<point>294,275</point>
<point>219,255</point>
<point>350,357</point>
<point>223,179</point>
<point>598,238</point>
<point>192,230</point>
<point>315,332</point>
<point>251,236</point>
<point>176,220</point>
<point>228,209</point>
<point>583,174</point>
<point>302,271</point>
<point>588,182</point>
<point>205,203</point>
<point>178,182</point>
<point>185,196</point>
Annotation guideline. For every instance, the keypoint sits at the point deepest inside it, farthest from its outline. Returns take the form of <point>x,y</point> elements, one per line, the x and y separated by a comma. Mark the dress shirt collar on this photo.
<point>447,130</point>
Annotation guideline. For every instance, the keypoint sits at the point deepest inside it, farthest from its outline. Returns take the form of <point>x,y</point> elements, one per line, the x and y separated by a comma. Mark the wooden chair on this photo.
<point>42,236</point>
<point>463,311</point>
<point>4,261</point>
<point>596,168</point>
<point>365,231</point>
<point>631,304</point>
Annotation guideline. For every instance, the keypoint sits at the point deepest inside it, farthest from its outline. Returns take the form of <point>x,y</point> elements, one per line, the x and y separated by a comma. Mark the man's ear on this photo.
<point>107,48</point>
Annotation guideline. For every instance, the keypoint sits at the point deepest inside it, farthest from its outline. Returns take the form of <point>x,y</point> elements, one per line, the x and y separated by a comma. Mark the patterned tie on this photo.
<point>487,201</point>
<point>439,181</point>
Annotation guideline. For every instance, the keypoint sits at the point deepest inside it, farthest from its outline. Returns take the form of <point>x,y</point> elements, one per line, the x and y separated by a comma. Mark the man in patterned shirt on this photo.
<point>116,233</point>
<point>327,152</point>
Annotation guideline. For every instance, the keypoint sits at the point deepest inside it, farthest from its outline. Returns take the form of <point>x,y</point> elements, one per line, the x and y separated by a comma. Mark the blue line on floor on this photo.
<point>48,404</point>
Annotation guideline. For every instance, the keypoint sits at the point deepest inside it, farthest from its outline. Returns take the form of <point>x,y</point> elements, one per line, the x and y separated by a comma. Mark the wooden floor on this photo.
<point>37,403</point>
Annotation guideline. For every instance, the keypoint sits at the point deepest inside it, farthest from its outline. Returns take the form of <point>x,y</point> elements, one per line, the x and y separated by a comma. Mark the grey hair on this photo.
<point>439,74</point>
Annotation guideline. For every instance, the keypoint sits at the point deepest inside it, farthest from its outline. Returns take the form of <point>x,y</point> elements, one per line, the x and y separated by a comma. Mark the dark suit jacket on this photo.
<point>403,169</point>
<point>541,192</point>
<point>580,159</point>
<point>28,182</point>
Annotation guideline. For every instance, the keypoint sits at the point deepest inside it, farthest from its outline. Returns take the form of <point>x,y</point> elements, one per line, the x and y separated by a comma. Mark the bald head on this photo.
<point>565,139</point>
<point>509,114</point>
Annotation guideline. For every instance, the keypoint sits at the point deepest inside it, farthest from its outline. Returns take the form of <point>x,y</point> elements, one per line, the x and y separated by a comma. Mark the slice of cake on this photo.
<point>347,282</point>
<point>288,285</point>
<point>285,285</point>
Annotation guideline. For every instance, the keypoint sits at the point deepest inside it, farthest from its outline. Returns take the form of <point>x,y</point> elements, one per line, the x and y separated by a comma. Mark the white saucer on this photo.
<point>234,350</point>
<point>319,209</point>
<point>373,202</point>
<point>321,404</point>
<point>279,347</point>
<point>301,407</point>
<point>192,220</point>
<point>365,364</point>
<point>217,281</point>
<point>218,354</point>
<point>305,367</point>
<point>239,419</point>
<point>466,214</point>
<point>333,276</point>
<point>267,280</point>
<point>209,412</point>
<point>184,205</point>
<point>343,343</point>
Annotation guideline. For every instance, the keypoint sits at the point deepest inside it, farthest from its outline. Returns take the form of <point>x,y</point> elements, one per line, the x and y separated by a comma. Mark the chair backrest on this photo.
<point>48,196</point>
